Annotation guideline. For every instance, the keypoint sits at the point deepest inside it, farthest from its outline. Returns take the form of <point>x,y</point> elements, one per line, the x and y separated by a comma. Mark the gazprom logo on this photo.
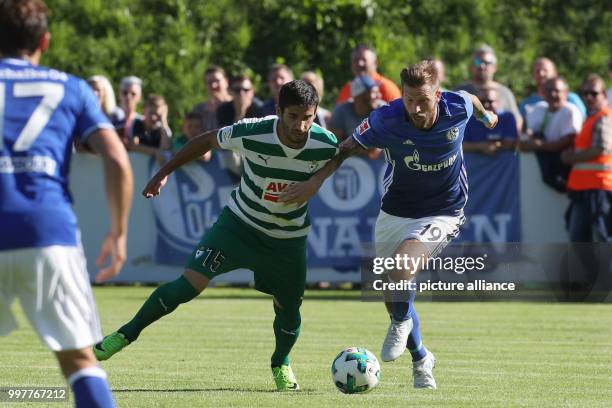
<point>413,163</point>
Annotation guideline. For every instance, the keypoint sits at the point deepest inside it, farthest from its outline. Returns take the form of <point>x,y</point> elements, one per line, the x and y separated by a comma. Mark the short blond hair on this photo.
<point>422,73</point>
<point>315,80</point>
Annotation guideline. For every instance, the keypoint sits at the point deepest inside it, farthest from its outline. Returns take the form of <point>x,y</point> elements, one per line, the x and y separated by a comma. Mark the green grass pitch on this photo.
<point>215,350</point>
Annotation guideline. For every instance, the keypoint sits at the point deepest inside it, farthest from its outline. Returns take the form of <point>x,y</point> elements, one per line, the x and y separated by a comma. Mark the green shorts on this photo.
<point>279,265</point>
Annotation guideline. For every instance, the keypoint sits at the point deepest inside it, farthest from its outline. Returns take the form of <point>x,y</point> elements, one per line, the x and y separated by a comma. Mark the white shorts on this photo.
<point>53,287</point>
<point>438,231</point>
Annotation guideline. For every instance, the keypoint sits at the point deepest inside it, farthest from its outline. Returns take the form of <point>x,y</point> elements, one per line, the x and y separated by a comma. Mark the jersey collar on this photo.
<point>15,61</point>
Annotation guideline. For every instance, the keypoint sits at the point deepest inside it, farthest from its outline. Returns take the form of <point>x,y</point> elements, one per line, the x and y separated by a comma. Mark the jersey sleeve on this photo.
<point>230,137</point>
<point>365,135</point>
<point>90,118</point>
<point>227,139</point>
<point>467,99</point>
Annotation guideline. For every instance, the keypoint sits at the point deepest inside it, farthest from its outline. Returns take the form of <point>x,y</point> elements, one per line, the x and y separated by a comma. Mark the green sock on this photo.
<point>162,301</point>
<point>286,331</point>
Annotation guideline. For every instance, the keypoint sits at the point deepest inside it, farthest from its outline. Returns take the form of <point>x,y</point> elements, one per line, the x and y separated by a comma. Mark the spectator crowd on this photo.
<point>569,132</point>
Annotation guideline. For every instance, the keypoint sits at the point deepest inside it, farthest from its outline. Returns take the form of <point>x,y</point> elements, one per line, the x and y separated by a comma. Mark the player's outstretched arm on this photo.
<point>119,189</point>
<point>194,149</point>
<point>488,118</point>
<point>299,193</point>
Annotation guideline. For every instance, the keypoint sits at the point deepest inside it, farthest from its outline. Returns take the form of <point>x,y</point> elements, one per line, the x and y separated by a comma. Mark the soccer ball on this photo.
<point>355,370</point>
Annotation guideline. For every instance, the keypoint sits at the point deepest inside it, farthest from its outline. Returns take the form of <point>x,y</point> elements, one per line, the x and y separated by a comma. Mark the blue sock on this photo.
<point>401,305</point>
<point>415,344</point>
<point>91,389</point>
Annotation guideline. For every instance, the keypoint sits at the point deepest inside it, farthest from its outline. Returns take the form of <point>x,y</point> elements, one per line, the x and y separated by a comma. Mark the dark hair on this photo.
<point>153,101</point>
<point>419,74</point>
<point>279,67</point>
<point>297,93</point>
<point>213,69</point>
<point>192,116</point>
<point>22,23</point>
<point>239,79</point>
<point>596,80</point>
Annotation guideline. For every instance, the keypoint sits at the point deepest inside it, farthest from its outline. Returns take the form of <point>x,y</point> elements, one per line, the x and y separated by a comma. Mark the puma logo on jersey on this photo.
<point>274,189</point>
<point>265,159</point>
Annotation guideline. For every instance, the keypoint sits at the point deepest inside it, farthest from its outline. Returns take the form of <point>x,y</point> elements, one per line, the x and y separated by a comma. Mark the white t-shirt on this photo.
<point>555,125</point>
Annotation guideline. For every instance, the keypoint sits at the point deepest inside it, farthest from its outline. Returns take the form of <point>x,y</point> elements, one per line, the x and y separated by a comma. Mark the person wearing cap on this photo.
<point>364,62</point>
<point>366,96</point>
<point>130,94</point>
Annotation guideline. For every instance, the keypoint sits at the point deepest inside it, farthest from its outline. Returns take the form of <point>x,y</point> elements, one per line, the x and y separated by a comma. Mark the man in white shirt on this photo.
<point>551,126</point>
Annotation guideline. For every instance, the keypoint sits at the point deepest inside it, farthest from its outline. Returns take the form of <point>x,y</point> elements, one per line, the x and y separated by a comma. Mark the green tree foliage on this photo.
<point>169,43</point>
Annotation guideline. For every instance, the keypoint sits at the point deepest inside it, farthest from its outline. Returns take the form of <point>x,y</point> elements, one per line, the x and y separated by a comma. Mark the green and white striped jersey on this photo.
<point>269,168</point>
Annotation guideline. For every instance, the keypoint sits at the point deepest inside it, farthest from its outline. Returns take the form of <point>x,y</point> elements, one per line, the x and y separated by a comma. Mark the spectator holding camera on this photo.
<point>152,131</point>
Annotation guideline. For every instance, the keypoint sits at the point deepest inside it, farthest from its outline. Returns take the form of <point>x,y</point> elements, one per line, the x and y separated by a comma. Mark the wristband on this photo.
<point>487,119</point>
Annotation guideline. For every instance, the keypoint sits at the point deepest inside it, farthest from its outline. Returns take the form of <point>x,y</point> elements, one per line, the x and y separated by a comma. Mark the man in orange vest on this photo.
<point>589,217</point>
<point>590,181</point>
<point>364,62</point>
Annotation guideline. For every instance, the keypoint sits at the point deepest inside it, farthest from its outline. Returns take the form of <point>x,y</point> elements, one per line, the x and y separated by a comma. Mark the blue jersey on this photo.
<point>42,110</point>
<point>505,129</point>
<point>425,175</point>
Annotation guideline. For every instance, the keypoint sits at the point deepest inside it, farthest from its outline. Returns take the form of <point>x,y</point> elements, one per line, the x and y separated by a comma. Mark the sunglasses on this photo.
<point>240,89</point>
<point>590,93</point>
<point>478,62</point>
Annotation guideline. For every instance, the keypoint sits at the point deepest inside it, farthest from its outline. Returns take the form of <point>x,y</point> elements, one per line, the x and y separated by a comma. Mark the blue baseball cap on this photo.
<point>361,84</point>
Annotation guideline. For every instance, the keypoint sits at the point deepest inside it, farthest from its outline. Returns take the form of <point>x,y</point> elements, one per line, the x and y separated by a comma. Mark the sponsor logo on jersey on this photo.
<point>313,165</point>
<point>226,133</point>
<point>363,127</point>
<point>274,189</point>
<point>264,159</point>
<point>452,134</point>
<point>413,163</point>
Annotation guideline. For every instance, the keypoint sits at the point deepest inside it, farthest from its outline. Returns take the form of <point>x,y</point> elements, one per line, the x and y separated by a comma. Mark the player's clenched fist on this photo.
<point>154,186</point>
